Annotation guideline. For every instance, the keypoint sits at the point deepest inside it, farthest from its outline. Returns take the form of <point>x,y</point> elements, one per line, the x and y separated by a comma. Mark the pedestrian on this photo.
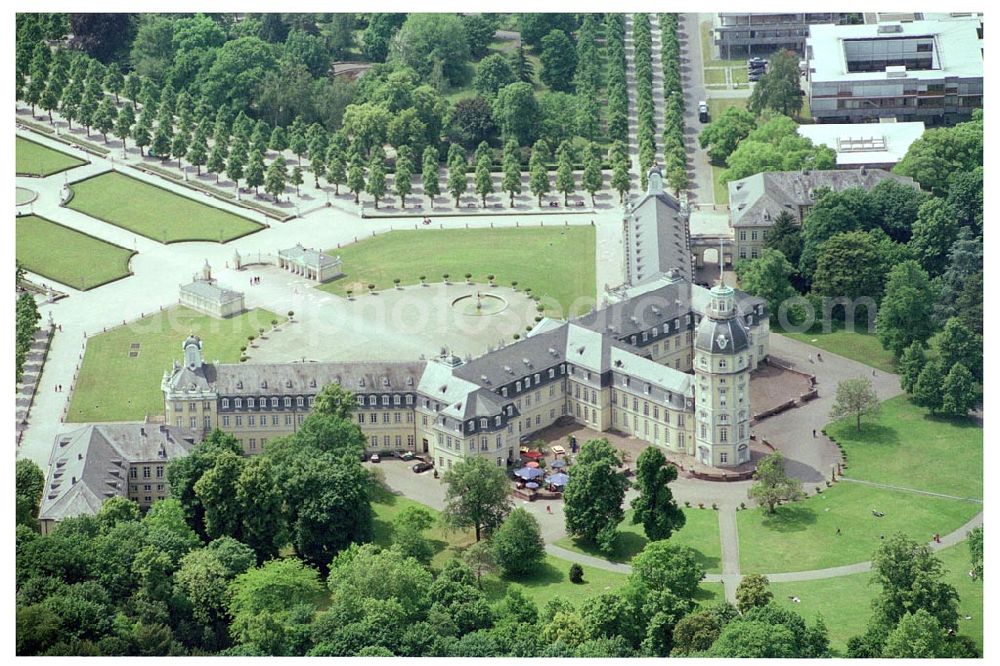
<point>819,356</point>
<point>873,373</point>
<point>838,531</point>
<point>814,432</point>
<point>549,508</point>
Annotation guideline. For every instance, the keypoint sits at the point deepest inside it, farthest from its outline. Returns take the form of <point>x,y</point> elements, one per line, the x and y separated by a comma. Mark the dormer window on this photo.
<point>239,403</point>
<point>263,384</point>
<point>361,401</point>
<point>288,383</point>
<point>361,382</point>
<point>483,423</point>
<point>385,381</point>
<point>312,383</point>
<point>239,385</point>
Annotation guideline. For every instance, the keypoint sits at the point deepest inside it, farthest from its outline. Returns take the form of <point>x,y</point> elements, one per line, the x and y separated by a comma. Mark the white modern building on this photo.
<point>874,145</point>
<point>930,71</point>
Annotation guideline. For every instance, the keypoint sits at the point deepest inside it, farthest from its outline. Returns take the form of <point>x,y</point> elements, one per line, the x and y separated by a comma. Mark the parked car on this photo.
<point>703,111</point>
<point>422,467</point>
<point>374,458</point>
<point>406,455</point>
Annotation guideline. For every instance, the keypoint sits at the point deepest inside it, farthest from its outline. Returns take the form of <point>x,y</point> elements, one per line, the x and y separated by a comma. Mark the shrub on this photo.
<point>575,573</point>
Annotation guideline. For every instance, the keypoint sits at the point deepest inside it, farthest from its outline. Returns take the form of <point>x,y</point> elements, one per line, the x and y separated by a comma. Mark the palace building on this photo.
<point>667,362</point>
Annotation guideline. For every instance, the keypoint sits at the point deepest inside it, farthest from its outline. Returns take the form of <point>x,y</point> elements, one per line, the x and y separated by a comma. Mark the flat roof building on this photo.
<point>873,145</point>
<point>930,71</point>
<point>738,34</point>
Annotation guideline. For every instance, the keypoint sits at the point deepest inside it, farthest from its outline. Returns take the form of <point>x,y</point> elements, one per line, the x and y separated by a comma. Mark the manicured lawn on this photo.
<point>857,345</point>
<point>34,159</point>
<point>970,592</point>
<point>715,76</point>
<point>905,446</point>
<point>718,105</point>
<point>803,535</point>
<point>556,262</point>
<point>68,256</point>
<point>113,386</point>
<point>719,189</point>
<point>845,601</point>
<point>700,532</point>
<point>155,212</point>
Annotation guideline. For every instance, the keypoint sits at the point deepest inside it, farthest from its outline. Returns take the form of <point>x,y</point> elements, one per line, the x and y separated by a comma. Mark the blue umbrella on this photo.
<point>559,479</point>
<point>529,473</point>
<point>531,485</point>
<point>556,464</point>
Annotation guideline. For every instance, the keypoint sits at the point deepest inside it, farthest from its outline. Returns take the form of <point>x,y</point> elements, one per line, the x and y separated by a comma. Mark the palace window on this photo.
<point>238,402</point>
<point>225,403</point>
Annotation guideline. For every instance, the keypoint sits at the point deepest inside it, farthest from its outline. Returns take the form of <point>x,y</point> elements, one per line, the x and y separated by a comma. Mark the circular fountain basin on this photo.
<point>479,306</point>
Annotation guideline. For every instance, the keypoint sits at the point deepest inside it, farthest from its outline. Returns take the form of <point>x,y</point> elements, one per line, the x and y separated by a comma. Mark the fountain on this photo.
<point>479,304</point>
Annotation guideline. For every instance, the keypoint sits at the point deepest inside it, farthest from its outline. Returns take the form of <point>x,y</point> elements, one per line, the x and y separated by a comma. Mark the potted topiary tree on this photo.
<point>492,278</point>
<point>423,280</point>
<point>513,285</point>
<point>291,313</point>
<point>350,294</point>
<point>395,281</point>
<point>445,276</point>
<point>371,288</point>
<point>274,323</point>
<point>468,278</point>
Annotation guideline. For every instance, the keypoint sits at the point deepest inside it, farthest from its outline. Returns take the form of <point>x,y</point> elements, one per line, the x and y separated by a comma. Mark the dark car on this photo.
<point>422,467</point>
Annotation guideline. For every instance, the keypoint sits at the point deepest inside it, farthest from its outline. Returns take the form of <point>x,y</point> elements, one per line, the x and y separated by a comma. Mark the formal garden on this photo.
<point>82,261</point>
<point>34,159</point>
<point>156,212</point>
<point>119,379</point>
<point>555,262</point>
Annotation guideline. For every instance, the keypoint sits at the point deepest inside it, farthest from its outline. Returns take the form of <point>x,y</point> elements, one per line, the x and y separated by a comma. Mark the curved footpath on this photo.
<point>952,539</point>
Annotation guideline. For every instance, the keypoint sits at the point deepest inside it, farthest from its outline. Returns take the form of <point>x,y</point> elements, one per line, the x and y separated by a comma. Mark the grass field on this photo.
<point>68,256</point>
<point>905,446</point>
<point>556,262</point>
<point>803,535</point>
<point>113,386</point>
<point>34,159</point>
<point>719,189</point>
<point>715,76</point>
<point>155,212</point>
<point>857,345</point>
<point>700,532</point>
<point>845,601</point>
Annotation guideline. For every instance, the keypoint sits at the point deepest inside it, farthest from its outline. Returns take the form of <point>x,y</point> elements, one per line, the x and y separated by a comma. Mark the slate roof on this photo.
<point>758,200</point>
<point>307,378</point>
<point>712,333</point>
<point>308,257</point>
<point>97,457</point>
<point>208,289</point>
<point>658,232</point>
<point>502,366</point>
<point>652,372</point>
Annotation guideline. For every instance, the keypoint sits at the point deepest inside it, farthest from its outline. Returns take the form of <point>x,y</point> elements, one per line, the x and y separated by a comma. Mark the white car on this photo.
<point>374,458</point>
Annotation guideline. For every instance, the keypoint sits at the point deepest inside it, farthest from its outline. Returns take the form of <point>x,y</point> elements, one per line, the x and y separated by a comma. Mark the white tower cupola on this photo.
<point>192,352</point>
<point>654,181</point>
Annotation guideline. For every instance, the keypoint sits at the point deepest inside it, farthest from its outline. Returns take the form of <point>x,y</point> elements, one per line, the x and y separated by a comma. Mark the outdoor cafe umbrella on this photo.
<point>529,473</point>
<point>531,485</point>
<point>558,463</point>
<point>531,464</point>
<point>559,479</point>
<point>532,455</point>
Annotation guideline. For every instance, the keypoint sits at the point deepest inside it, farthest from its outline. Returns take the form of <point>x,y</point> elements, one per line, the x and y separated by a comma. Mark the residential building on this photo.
<point>878,145</point>
<point>96,462</point>
<point>930,71</point>
<point>755,202</point>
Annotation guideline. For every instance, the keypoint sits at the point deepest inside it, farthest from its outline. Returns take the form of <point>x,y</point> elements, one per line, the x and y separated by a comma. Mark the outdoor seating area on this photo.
<point>539,478</point>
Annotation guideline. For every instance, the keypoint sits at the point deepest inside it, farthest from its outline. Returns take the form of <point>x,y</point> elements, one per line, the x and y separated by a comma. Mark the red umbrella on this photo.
<point>532,455</point>
<point>531,464</point>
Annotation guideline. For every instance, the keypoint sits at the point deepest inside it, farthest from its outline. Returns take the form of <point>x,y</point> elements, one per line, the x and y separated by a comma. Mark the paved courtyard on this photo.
<point>394,324</point>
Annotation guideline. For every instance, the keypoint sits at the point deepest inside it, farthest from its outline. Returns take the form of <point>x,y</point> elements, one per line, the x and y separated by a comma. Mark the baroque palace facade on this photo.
<point>667,361</point>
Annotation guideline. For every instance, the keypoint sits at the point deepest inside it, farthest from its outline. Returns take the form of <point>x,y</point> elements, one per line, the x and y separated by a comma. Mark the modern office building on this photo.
<point>873,145</point>
<point>929,71</point>
<point>744,34</point>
